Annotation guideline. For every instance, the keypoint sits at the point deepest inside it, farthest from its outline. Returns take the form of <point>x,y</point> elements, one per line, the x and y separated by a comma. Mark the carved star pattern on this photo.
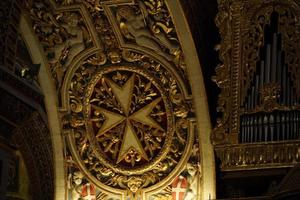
<point>130,141</point>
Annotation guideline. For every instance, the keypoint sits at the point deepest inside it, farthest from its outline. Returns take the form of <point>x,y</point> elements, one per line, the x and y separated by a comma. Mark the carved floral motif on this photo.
<point>118,94</point>
<point>150,97</point>
<point>63,35</point>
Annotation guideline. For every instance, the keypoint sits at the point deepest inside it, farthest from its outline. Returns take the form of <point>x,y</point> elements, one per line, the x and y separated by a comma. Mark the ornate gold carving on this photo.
<point>242,37</point>
<point>107,37</point>
<point>269,95</point>
<point>78,186</point>
<point>222,78</point>
<point>134,25</point>
<point>164,194</point>
<point>63,35</point>
<point>259,17</point>
<point>149,25</point>
<point>258,156</point>
<point>126,113</point>
<point>130,116</point>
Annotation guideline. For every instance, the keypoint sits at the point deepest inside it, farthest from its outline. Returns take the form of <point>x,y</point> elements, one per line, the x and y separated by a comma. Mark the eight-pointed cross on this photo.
<point>130,140</point>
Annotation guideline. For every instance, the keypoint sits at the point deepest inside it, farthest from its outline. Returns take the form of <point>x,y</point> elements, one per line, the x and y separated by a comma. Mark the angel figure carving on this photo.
<point>136,25</point>
<point>80,190</point>
<point>193,178</point>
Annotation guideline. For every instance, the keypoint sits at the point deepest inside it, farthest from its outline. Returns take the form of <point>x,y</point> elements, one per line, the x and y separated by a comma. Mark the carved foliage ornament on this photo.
<point>129,122</point>
<point>62,34</point>
<point>127,112</point>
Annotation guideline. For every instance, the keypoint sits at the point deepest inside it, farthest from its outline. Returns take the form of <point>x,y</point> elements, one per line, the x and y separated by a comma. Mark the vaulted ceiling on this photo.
<point>127,69</point>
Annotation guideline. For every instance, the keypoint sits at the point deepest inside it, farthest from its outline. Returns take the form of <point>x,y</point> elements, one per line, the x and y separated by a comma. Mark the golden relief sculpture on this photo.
<point>63,35</point>
<point>243,26</point>
<point>78,185</point>
<point>127,118</point>
<point>126,109</point>
<point>131,123</point>
<point>134,26</point>
<point>149,25</point>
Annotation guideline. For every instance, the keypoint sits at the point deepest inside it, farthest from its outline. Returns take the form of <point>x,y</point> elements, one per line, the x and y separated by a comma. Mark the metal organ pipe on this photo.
<point>284,74</point>
<point>287,119</point>
<point>255,128</point>
<point>297,125</point>
<point>260,127</point>
<point>274,58</point>
<point>262,70</point>
<point>251,128</point>
<point>243,131</point>
<point>279,68</point>
<point>252,104</point>
<point>256,94</point>
<point>294,124</point>
<point>283,130</point>
<point>288,88</point>
<point>268,64</point>
<point>276,125</point>
<point>248,129</point>
<point>265,123</point>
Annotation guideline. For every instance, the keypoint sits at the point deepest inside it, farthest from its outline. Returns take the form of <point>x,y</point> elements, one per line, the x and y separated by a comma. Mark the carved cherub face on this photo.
<point>134,184</point>
<point>77,177</point>
<point>73,19</point>
<point>191,169</point>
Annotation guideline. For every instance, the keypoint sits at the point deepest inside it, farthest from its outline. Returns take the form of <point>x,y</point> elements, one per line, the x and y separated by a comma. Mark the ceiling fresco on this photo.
<point>124,97</point>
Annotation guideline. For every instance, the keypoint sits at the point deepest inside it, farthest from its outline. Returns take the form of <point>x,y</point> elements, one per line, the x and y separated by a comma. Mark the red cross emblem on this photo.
<point>88,192</point>
<point>179,187</point>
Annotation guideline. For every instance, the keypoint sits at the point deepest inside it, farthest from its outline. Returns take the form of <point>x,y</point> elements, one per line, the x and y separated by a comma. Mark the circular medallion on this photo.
<point>128,119</point>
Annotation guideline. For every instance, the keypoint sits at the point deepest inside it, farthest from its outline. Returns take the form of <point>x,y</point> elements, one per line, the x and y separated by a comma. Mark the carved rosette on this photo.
<point>129,123</point>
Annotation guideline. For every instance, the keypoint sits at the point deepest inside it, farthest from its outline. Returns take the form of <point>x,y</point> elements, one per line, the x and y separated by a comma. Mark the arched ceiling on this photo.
<point>130,93</point>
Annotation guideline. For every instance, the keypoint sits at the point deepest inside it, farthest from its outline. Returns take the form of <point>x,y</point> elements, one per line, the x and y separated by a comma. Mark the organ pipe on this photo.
<point>268,64</point>
<point>258,125</point>
<point>274,58</point>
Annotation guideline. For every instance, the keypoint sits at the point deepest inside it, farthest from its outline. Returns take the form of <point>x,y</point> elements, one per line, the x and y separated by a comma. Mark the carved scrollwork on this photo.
<point>140,102</point>
<point>252,44</point>
<point>222,78</point>
<point>149,25</point>
<point>126,113</point>
<point>270,94</point>
<point>63,35</point>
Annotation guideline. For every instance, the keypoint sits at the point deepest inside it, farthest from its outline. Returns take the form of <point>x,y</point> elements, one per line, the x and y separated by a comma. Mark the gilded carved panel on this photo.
<point>126,107</point>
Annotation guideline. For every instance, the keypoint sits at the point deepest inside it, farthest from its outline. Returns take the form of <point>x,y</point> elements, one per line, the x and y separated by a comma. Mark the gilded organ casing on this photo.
<point>259,98</point>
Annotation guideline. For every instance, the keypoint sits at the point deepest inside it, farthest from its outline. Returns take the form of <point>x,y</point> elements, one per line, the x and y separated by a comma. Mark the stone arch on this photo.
<point>197,87</point>
<point>51,104</point>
